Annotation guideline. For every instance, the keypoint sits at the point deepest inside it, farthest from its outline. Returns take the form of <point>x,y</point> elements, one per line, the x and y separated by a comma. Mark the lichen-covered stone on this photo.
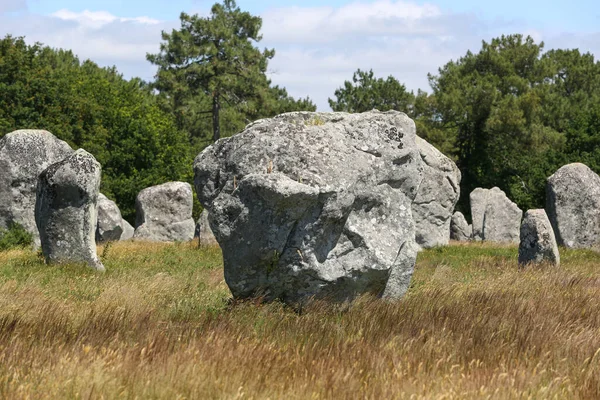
<point>478,200</point>
<point>66,210</point>
<point>109,227</point>
<point>24,154</point>
<point>203,232</point>
<point>437,195</point>
<point>318,205</point>
<point>495,217</point>
<point>128,230</point>
<point>573,206</point>
<point>460,230</point>
<point>164,213</point>
<point>538,243</point>
<point>502,218</point>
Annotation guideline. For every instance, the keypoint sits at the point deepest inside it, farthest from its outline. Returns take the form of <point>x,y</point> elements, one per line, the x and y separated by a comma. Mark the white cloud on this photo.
<point>97,19</point>
<point>100,36</point>
<point>327,24</point>
<point>317,49</point>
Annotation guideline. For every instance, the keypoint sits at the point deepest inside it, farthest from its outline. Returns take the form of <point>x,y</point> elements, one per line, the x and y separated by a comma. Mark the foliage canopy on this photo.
<point>118,121</point>
<point>211,67</point>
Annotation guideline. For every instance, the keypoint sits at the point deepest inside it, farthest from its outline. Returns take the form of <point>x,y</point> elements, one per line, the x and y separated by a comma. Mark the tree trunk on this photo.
<point>216,106</point>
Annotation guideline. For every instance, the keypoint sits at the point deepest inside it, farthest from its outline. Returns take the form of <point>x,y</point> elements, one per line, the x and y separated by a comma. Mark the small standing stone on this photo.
<point>128,230</point>
<point>66,210</point>
<point>495,217</point>
<point>109,227</point>
<point>203,232</point>
<point>164,213</point>
<point>459,228</point>
<point>478,200</point>
<point>502,218</point>
<point>538,243</point>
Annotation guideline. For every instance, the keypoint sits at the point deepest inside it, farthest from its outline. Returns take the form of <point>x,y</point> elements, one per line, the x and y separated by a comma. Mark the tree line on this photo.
<point>508,115</point>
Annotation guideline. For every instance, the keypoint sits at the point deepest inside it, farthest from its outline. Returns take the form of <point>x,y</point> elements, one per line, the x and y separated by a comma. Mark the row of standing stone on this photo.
<point>571,217</point>
<point>53,192</point>
<point>164,212</point>
<point>66,211</point>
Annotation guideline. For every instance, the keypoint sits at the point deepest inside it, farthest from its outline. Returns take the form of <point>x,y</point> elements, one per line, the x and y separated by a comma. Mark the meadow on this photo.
<point>160,324</point>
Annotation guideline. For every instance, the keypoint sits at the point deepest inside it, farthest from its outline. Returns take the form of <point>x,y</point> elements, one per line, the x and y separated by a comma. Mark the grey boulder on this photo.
<point>24,154</point>
<point>538,243</point>
<point>164,213</point>
<point>495,217</point>
<point>437,195</point>
<point>66,210</point>
<point>109,227</point>
<point>573,206</point>
<point>314,205</point>
<point>460,230</point>
<point>478,200</point>
<point>128,230</point>
<point>203,231</point>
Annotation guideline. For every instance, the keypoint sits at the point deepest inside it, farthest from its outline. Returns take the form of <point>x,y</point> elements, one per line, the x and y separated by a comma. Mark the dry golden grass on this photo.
<point>159,324</point>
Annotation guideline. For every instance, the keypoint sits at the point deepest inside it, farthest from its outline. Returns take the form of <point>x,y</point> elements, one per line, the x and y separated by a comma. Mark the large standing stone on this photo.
<point>538,243</point>
<point>495,217</point>
<point>573,206</point>
<point>66,209</point>
<point>109,228</point>
<point>164,213</point>
<point>24,155</point>
<point>203,231</point>
<point>459,228</point>
<point>314,204</point>
<point>437,195</point>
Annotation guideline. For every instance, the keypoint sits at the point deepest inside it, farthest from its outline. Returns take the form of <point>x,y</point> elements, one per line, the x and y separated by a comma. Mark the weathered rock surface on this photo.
<point>24,154</point>
<point>314,205</point>
<point>203,232</point>
<point>502,218</point>
<point>459,228</point>
<point>495,217</point>
<point>109,226</point>
<point>164,213</point>
<point>573,206</point>
<point>478,200</point>
<point>66,210</point>
<point>437,195</point>
<point>128,230</point>
<point>538,243</point>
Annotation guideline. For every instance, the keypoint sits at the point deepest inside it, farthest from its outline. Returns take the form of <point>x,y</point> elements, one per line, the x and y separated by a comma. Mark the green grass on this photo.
<point>160,324</point>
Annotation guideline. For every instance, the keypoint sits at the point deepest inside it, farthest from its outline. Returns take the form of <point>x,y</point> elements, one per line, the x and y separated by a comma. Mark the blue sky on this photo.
<point>318,44</point>
<point>580,14</point>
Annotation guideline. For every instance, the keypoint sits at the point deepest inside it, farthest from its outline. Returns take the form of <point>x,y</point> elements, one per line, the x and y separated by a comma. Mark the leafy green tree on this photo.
<point>120,122</point>
<point>211,63</point>
<point>429,124</point>
<point>508,109</point>
<point>366,93</point>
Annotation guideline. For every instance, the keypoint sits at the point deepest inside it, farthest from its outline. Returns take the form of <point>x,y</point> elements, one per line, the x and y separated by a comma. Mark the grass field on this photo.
<point>159,324</point>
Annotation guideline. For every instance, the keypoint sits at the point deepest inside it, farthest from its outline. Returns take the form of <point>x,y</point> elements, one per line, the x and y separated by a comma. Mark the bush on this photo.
<point>15,237</point>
